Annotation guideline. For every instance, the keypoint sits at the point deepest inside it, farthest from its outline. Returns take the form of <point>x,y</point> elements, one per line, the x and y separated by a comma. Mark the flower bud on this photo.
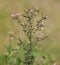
<point>11,38</point>
<point>12,15</point>
<point>45,17</point>
<point>11,33</point>
<point>31,10</point>
<point>35,13</point>
<point>42,28</point>
<point>42,23</point>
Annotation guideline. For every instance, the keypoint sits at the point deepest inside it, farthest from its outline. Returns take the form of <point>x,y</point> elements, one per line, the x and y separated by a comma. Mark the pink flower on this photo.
<point>17,14</point>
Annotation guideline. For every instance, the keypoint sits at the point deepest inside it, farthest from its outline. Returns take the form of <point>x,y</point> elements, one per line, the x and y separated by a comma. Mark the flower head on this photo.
<point>17,14</point>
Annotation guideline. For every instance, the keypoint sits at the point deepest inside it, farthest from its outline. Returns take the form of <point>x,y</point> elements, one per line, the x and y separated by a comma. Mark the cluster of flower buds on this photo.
<point>41,23</point>
<point>33,12</point>
<point>30,13</point>
<point>15,16</point>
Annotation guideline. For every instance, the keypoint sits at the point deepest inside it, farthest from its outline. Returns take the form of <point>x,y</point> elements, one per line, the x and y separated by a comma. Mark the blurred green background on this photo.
<point>48,7</point>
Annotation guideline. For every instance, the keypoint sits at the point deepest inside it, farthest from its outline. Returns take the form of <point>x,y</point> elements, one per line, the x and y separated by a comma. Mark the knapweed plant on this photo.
<point>28,50</point>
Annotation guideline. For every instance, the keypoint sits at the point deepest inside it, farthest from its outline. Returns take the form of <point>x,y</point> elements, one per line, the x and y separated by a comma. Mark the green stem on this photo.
<point>30,31</point>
